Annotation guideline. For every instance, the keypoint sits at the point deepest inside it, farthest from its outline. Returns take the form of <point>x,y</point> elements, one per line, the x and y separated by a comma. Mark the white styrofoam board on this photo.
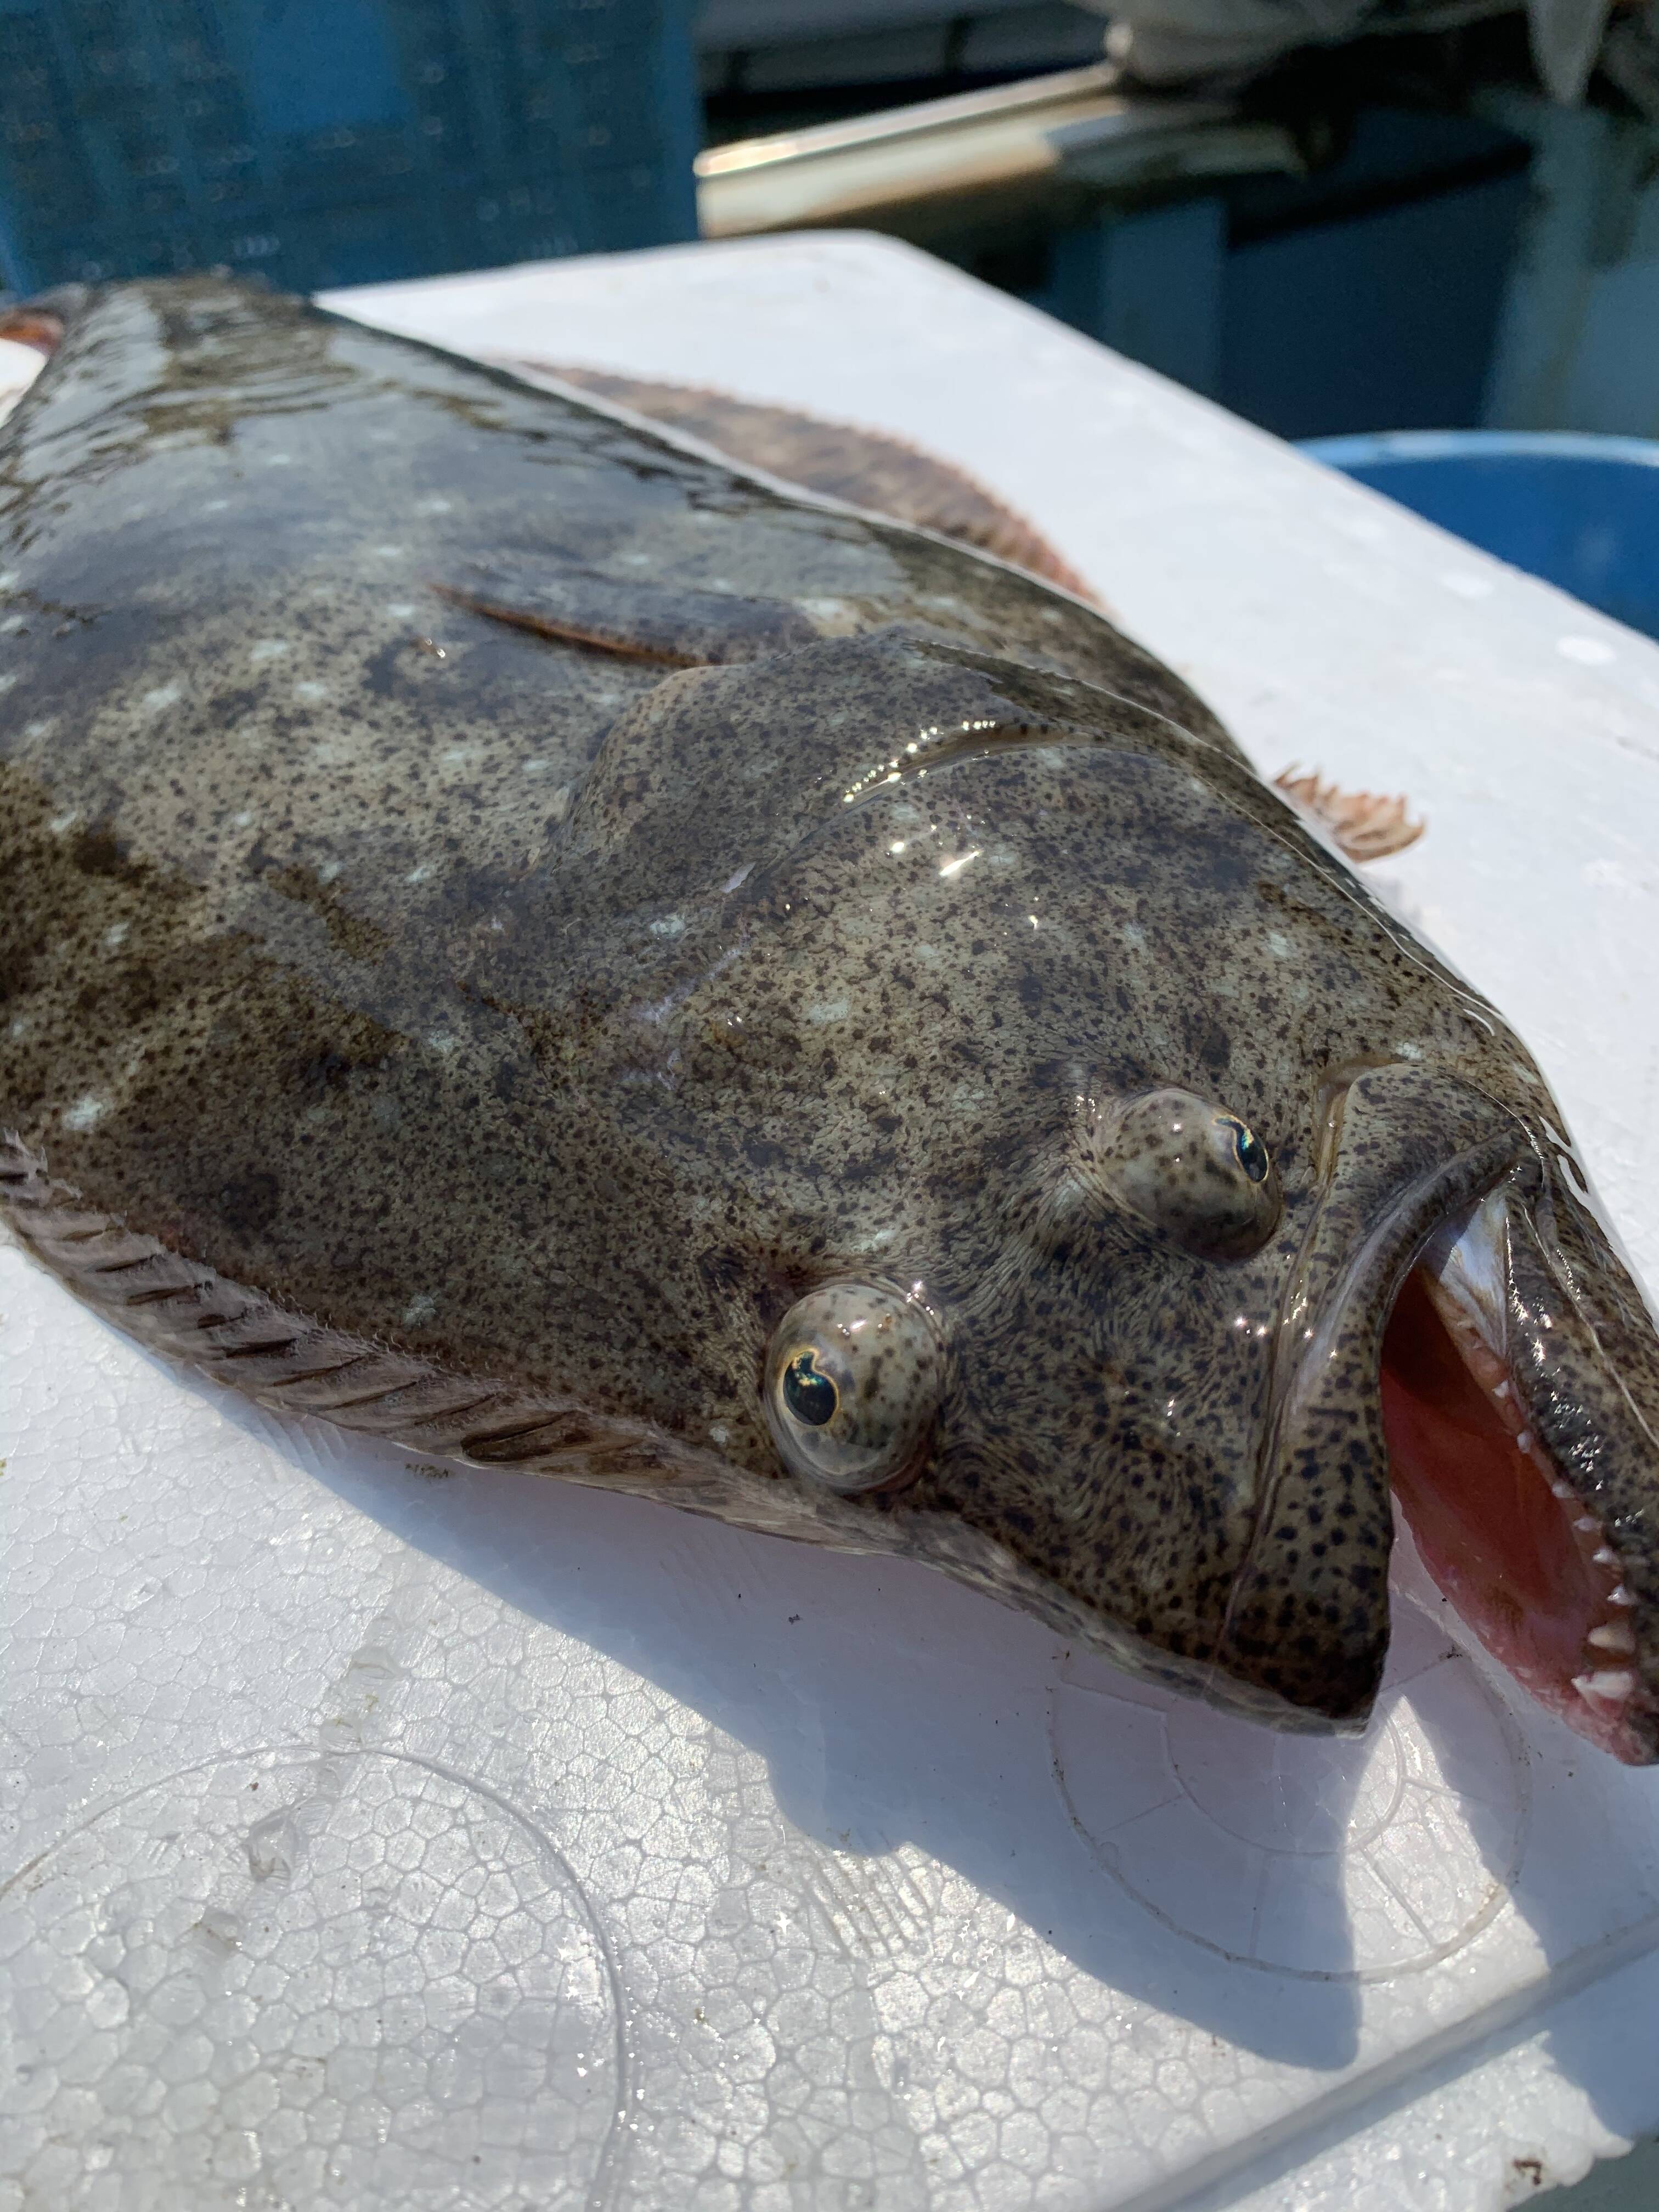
<point>19,367</point>
<point>602,1856</point>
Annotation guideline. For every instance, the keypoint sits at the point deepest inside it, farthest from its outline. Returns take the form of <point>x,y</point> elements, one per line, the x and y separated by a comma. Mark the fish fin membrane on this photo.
<point>1366,825</point>
<point>190,1312</point>
<point>866,468</point>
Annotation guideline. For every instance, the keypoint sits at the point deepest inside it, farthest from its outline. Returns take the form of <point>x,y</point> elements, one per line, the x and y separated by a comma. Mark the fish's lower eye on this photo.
<point>852,1385</point>
<point>1252,1153</point>
<point>811,1397</point>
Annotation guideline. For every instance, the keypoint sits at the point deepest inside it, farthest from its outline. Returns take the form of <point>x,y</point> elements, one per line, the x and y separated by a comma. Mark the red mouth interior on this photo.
<point>1502,1536</point>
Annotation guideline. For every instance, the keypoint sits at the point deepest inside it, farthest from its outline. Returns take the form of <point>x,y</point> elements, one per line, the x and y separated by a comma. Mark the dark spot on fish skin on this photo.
<point>330,1070</point>
<point>249,1202</point>
<point>97,851</point>
<point>1215,1049</point>
<point>356,936</point>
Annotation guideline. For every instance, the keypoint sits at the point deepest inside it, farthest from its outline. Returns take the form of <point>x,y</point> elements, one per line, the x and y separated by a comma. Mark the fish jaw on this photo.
<point>1520,1457</point>
<point>1458,1330</point>
<point>1307,1618</point>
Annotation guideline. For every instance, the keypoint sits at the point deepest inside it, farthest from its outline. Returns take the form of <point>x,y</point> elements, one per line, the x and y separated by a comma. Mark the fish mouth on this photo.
<point>1460,1342</point>
<point>1522,1555</point>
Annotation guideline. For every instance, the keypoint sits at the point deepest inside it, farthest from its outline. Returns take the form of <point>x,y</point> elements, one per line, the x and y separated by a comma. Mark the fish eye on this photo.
<point>809,1395</point>
<point>1252,1153</point>
<point>1184,1167</point>
<point>854,1379</point>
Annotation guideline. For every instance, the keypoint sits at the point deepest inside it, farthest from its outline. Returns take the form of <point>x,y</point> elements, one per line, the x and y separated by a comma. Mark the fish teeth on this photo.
<point>1586,1523</point>
<point>1614,1684</point>
<point>1619,1595</point>
<point>1562,1490</point>
<point>1612,1636</point>
<point>1605,1556</point>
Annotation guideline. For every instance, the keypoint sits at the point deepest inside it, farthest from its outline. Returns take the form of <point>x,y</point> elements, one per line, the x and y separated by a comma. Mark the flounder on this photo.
<point>523,936</point>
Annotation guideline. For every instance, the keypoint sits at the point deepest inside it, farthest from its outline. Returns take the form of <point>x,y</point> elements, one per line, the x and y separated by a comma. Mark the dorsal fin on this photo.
<point>870,468</point>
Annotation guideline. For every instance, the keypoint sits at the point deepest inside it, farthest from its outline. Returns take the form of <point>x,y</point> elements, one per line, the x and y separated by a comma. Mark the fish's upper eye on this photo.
<point>1185,1167</point>
<point>854,1379</point>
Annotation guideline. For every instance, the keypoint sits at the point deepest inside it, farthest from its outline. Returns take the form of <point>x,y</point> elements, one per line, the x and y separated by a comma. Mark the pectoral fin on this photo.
<point>672,624</point>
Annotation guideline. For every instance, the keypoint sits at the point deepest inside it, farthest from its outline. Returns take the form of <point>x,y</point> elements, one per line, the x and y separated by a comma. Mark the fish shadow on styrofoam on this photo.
<point>894,1707</point>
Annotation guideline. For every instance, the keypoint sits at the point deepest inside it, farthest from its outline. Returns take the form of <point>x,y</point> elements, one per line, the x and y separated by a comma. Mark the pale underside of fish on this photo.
<point>524,936</point>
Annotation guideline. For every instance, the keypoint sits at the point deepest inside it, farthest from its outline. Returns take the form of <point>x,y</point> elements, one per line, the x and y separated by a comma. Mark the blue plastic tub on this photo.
<point>1581,512</point>
<point>338,142</point>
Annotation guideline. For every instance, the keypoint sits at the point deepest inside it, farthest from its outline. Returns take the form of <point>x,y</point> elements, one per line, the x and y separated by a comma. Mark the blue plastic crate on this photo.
<point>1581,511</point>
<point>338,142</point>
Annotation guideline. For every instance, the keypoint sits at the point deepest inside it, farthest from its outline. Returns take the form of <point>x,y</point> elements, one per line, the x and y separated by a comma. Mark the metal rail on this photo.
<point>1075,129</point>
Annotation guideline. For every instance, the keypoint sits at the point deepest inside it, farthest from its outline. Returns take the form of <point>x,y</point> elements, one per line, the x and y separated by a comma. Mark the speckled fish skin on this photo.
<point>540,1022</point>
